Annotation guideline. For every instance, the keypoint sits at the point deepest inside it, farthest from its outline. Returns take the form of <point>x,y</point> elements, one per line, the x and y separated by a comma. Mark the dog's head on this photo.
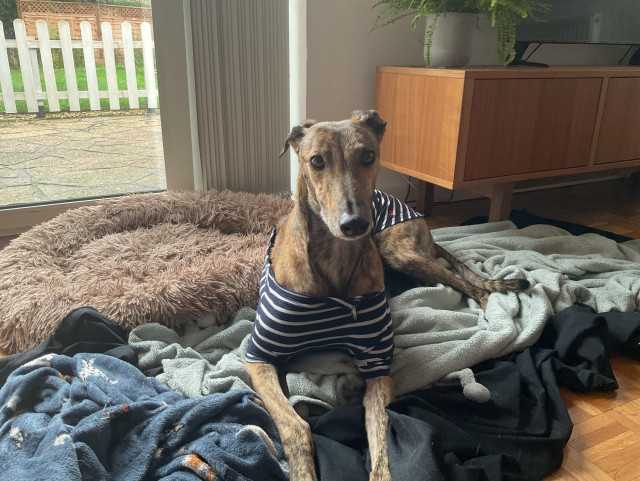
<point>339,163</point>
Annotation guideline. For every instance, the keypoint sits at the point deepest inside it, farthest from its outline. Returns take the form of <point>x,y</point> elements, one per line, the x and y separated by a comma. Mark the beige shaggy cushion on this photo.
<point>166,258</point>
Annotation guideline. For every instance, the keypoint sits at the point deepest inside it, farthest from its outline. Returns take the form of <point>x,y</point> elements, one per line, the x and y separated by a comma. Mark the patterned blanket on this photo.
<point>95,417</point>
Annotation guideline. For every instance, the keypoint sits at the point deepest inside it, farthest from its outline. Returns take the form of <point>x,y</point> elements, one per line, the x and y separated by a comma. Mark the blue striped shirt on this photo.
<point>289,323</point>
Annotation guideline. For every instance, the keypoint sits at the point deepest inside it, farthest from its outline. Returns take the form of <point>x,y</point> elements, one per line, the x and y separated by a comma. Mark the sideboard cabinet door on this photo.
<point>619,137</point>
<point>519,126</point>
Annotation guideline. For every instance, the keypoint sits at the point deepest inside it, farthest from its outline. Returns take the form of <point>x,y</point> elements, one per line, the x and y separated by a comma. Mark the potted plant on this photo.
<point>460,16</point>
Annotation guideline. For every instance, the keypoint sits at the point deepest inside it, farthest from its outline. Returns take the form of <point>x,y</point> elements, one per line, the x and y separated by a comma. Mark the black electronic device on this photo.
<point>592,22</point>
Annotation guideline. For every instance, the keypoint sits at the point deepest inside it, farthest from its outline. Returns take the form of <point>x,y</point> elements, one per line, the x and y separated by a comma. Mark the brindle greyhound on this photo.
<point>325,248</point>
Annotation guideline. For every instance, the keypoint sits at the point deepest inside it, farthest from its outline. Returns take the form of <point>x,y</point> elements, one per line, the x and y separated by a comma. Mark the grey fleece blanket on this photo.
<point>438,333</point>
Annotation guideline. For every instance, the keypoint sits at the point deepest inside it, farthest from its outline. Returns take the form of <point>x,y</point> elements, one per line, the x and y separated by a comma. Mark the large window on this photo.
<point>79,108</point>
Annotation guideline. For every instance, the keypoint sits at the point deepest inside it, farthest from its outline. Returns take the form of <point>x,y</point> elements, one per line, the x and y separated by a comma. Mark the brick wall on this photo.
<point>74,13</point>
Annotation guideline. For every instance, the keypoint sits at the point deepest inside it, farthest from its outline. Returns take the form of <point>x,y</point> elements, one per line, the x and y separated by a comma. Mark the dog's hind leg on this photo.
<point>379,393</point>
<point>294,432</point>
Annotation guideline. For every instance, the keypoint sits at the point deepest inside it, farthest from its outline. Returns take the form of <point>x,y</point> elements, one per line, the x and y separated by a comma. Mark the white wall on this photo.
<point>343,52</point>
<point>342,55</point>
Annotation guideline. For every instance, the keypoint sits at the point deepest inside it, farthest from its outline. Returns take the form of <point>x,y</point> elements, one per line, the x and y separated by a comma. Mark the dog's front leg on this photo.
<point>379,393</point>
<point>294,432</point>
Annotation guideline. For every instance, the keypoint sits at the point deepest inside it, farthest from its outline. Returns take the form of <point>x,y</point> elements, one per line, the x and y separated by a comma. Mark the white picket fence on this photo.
<point>30,68</point>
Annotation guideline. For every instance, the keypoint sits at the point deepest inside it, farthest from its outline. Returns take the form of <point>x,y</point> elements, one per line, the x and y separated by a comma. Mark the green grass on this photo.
<point>81,78</point>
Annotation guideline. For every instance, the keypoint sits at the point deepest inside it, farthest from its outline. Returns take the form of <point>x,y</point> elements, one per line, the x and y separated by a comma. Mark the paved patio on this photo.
<point>54,159</point>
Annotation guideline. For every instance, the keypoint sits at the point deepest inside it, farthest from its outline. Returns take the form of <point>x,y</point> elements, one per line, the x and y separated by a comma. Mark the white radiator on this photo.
<point>241,74</point>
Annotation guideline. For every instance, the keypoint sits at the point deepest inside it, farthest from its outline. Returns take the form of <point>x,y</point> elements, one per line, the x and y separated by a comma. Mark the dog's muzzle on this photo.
<point>353,225</point>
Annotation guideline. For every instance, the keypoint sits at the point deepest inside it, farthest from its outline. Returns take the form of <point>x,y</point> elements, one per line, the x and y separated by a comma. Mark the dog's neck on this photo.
<point>308,258</point>
<point>333,260</point>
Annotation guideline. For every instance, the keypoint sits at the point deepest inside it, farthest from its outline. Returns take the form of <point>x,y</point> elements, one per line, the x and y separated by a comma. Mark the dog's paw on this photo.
<point>380,471</point>
<point>380,476</point>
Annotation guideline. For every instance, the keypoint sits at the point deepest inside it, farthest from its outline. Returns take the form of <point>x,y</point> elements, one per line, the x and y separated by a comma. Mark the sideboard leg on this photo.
<point>425,198</point>
<point>501,195</point>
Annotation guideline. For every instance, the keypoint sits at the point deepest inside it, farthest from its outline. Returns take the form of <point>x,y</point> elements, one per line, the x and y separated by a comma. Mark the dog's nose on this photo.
<point>353,225</point>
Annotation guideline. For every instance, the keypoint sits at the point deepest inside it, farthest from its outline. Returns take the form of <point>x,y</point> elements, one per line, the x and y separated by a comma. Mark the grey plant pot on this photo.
<point>452,43</point>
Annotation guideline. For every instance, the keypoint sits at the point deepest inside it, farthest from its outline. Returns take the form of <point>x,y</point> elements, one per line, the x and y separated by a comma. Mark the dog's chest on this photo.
<point>338,271</point>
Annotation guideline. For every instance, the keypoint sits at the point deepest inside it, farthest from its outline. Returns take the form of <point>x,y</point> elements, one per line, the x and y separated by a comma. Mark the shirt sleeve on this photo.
<point>387,211</point>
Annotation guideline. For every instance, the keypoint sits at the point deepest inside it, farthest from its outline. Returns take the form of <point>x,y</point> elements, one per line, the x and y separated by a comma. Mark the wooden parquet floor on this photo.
<point>613,206</point>
<point>605,444</point>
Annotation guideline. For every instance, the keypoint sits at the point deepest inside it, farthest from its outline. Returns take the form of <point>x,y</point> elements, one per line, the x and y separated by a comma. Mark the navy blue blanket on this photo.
<point>96,417</point>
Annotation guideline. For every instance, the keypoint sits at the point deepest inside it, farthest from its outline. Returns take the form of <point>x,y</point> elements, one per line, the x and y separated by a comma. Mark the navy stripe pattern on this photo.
<point>289,323</point>
<point>388,210</point>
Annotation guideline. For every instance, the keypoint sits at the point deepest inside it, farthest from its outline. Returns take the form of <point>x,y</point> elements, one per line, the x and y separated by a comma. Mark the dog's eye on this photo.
<point>317,162</point>
<point>367,157</point>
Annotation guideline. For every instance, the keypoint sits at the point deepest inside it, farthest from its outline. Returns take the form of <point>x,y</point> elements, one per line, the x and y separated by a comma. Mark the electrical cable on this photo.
<point>446,201</point>
<point>408,181</point>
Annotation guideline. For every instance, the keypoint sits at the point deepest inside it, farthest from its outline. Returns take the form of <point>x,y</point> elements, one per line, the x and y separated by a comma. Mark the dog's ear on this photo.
<point>371,120</point>
<point>296,135</point>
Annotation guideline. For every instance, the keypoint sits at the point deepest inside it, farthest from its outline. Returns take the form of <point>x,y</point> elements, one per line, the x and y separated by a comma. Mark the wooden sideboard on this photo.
<point>483,129</point>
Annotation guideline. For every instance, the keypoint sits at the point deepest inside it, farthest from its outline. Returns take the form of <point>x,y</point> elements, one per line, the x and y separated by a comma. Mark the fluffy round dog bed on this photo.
<point>166,258</point>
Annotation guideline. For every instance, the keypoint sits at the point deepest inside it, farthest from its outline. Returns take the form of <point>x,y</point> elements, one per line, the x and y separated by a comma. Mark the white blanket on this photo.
<point>437,331</point>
